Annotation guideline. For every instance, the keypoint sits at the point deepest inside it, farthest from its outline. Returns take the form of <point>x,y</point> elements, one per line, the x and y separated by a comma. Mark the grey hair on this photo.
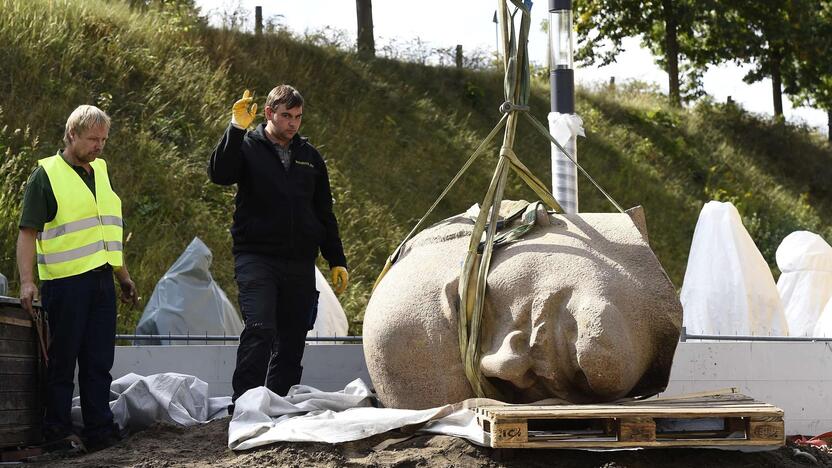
<point>83,118</point>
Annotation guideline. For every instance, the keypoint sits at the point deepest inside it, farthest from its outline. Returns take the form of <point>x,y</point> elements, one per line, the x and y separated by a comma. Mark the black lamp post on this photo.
<point>560,38</point>
<point>562,82</point>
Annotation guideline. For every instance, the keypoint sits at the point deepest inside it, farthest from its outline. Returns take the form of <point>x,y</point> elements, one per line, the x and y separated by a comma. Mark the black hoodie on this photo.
<point>279,212</point>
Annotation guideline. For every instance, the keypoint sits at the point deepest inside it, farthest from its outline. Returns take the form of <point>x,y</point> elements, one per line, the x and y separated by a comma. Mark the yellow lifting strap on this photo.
<point>474,274</point>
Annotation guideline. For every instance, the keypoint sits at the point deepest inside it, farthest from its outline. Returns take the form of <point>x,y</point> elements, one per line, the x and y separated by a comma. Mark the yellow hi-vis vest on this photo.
<point>87,230</point>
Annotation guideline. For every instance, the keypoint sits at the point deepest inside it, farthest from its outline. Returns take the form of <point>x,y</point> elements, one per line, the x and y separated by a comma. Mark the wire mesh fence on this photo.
<point>205,338</point>
<point>685,336</point>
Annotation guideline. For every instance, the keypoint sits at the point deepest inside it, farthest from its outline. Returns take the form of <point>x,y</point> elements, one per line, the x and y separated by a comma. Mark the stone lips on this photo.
<point>579,309</point>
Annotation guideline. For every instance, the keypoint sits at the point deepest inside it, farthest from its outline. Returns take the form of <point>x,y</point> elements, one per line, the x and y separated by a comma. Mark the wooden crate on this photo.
<point>21,377</point>
<point>723,419</point>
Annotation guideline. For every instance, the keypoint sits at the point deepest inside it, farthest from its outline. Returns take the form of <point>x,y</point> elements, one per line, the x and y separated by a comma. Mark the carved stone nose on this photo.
<point>510,361</point>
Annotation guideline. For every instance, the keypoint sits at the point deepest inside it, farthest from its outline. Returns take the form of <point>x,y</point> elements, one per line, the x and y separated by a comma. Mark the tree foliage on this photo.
<point>664,26</point>
<point>809,78</point>
<point>750,32</point>
<point>786,41</point>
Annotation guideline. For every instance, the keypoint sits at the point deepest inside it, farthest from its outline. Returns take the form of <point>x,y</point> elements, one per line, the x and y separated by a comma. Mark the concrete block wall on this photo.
<point>796,377</point>
<point>325,366</point>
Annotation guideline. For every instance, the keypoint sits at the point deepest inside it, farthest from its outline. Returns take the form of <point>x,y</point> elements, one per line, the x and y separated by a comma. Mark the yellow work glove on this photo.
<point>340,278</point>
<point>241,116</point>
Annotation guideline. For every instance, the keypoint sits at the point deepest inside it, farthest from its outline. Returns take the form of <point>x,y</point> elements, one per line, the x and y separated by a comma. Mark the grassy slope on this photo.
<point>393,134</point>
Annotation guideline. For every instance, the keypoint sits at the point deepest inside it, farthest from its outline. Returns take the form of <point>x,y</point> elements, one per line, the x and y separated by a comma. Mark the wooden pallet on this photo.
<point>721,419</point>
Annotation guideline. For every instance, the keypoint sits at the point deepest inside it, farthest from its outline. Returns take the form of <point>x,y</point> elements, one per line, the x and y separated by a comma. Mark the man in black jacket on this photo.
<point>283,216</point>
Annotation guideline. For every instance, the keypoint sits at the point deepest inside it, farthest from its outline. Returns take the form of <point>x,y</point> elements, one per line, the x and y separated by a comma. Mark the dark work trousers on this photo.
<point>279,303</point>
<point>82,327</point>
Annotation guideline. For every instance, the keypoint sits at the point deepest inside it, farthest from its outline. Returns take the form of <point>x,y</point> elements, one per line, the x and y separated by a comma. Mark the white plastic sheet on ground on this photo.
<point>306,414</point>
<point>138,402</point>
<point>728,287</point>
<point>805,285</point>
<point>187,300</point>
<point>331,319</point>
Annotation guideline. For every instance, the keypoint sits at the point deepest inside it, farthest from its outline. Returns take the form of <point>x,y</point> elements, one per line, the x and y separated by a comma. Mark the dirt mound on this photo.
<point>166,446</point>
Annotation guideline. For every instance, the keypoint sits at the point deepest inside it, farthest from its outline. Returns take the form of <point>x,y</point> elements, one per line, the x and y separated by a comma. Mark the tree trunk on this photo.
<point>671,50</point>
<point>776,84</point>
<point>366,42</point>
<point>258,20</point>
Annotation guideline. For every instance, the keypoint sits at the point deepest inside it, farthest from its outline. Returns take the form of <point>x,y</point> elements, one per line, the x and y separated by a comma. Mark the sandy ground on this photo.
<point>206,445</point>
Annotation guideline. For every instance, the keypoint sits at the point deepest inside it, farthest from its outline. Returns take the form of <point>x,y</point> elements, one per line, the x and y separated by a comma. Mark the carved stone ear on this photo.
<point>640,220</point>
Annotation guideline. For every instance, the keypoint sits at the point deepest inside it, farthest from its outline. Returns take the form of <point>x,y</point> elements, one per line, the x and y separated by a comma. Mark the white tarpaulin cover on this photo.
<point>331,319</point>
<point>805,285</point>
<point>262,417</point>
<point>138,402</point>
<point>824,326</point>
<point>187,300</point>
<point>565,128</point>
<point>728,287</point>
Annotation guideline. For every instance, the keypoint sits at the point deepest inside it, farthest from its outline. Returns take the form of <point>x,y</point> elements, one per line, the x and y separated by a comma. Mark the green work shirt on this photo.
<point>39,203</point>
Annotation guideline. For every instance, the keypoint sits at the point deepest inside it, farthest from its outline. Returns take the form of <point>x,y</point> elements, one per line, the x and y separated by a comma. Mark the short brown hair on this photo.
<point>284,94</point>
<point>83,118</point>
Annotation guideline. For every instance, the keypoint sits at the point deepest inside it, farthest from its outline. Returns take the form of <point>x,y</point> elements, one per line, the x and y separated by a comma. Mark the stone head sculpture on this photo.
<point>578,309</point>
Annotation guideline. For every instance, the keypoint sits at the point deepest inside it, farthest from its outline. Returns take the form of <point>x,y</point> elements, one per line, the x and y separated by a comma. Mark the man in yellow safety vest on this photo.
<point>71,223</point>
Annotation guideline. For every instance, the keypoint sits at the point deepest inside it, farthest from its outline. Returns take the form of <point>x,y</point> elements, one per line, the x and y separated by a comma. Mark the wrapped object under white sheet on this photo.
<point>823,327</point>
<point>728,287</point>
<point>187,300</point>
<point>331,319</point>
<point>805,284</point>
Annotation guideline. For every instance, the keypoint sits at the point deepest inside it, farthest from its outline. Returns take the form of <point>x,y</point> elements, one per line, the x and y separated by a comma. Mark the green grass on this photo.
<point>393,134</point>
